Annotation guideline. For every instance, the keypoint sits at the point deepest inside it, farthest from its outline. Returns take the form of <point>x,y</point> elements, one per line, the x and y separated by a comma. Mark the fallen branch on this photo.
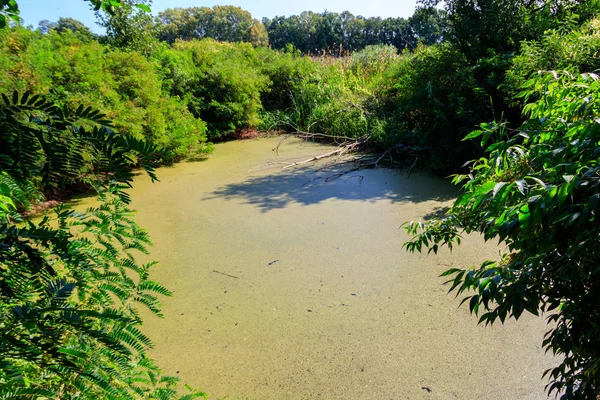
<point>310,135</point>
<point>315,158</point>
<point>223,273</point>
<point>411,167</point>
<point>385,153</point>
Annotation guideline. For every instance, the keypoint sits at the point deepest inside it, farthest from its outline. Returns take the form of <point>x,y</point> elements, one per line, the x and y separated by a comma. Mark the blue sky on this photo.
<point>32,11</point>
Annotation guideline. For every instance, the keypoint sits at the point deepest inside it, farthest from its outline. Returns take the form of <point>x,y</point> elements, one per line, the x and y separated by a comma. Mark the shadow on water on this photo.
<point>437,213</point>
<point>305,186</point>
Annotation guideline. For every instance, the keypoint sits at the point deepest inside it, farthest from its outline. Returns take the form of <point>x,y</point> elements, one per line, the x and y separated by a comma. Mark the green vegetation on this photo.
<point>222,23</point>
<point>536,191</point>
<point>535,187</point>
<point>420,103</point>
<point>126,86</point>
<point>163,88</point>
<point>71,287</point>
<point>341,33</point>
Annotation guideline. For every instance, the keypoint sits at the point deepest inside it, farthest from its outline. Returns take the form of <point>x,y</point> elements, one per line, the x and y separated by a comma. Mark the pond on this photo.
<point>290,287</point>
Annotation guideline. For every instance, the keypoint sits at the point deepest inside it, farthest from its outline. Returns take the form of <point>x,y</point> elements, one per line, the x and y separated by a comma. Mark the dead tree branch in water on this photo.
<point>348,146</point>
<point>351,153</point>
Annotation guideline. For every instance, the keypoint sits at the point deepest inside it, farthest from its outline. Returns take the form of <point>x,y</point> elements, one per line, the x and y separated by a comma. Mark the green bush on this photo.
<point>575,51</point>
<point>124,85</point>
<point>71,287</point>
<point>317,95</point>
<point>285,72</point>
<point>537,192</point>
<point>432,99</point>
<point>373,60</point>
<point>219,82</point>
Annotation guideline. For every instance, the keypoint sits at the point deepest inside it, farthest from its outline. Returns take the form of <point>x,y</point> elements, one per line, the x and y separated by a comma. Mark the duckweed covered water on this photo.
<point>292,288</point>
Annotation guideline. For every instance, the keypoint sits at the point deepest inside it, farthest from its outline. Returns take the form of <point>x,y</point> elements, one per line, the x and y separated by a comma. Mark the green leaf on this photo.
<point>473,135</point>
<point>486,137</point>
<point>563,193</point>
<point>524,216</point>
<point>143,7</point>
<point>474,304</point>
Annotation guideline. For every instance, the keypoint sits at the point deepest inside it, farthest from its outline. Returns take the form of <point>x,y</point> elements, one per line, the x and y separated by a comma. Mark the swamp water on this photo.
<point>287,288</point>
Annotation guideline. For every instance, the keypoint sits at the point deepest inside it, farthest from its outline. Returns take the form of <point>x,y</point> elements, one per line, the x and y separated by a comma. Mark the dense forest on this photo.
<point>83,110</point>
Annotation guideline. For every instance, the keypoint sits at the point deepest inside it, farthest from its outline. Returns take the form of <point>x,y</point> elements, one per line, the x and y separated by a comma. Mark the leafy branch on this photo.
<point>537,191</point>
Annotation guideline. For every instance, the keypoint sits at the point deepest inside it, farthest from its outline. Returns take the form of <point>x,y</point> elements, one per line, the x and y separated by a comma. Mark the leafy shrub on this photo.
<point>374,59</point>
<point>71,287</point>
<point>432,99</point>
<point>124,85</point>
<point>328,102</point>
<point>218,81</point>
<point>575,51</point>
<point>537,191</point>
<point>315,95</point>
<point>285,72</point>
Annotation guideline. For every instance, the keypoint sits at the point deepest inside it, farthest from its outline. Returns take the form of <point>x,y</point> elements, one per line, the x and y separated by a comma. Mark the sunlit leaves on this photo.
<point>71,287</point>
<point>41,139</point>
<point>537,192</point>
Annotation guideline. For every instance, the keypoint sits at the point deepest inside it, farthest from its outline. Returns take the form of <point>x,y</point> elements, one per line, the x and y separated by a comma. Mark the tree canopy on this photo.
<point>340,33</point>
<point>223,23</point>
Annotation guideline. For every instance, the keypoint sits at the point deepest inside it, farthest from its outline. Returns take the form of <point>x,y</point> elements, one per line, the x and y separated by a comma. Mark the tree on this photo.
<point>258,34</point>
<point>130,27</point>
<point>283,31</point>
<point>501,25</point>
<point>428,25</point>
<point>67,24</point>
<point>538,193</point>
<point>311,32</point>
<point>45,26</point>
<point>70,288</point>
<point>223,23</point>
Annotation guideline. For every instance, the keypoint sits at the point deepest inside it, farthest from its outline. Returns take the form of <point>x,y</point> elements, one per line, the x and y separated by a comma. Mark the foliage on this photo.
<point>130,27</point>
<point>222,23</point>
<point>433,99</point>
<point>559,49</point>
<point>111,6</point>
<point>285,73</point>
<point>331,101</point>
<point>339,33</point>
<point>71,288</point>
<point>47,145</point>
<point>537,192</point>
<point>501,25</point>
<point>16,195</point>
<point>124,85</point>
<point>315,95</point>
<point>373,59</point>
<point>9,11</point>
<point>219,82</point>
<point>67,24</point>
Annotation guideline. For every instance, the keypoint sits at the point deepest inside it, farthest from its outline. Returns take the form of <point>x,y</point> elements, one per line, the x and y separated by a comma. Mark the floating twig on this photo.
<point>223,273</point>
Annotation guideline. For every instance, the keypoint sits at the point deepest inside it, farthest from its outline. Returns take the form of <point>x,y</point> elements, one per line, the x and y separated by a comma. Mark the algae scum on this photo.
<point>292,291</point>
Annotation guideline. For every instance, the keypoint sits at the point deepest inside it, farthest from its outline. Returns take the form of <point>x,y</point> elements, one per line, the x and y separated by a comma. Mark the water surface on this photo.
<point>292,288</point>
